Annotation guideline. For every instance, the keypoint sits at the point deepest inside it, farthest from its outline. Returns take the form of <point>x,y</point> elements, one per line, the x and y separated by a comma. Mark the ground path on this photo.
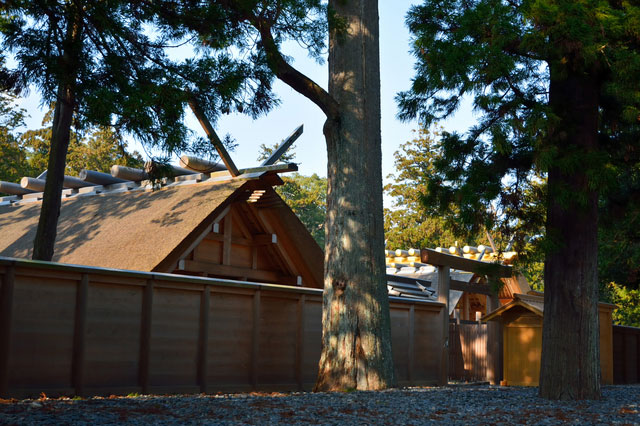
<point>447,405</point>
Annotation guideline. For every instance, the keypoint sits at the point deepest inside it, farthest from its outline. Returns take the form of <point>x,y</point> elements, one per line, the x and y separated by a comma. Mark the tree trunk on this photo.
<point>43,245</point>
<point>570,365</point>
<point>356,336</point>
<point>44,242</point>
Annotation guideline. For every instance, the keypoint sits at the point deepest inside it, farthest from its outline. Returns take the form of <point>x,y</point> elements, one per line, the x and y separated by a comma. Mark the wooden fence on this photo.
<point>626,354</point>
<point>468,351</point>
<point>68,330</point>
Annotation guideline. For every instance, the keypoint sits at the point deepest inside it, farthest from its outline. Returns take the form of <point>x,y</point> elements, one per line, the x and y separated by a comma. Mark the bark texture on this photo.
<point>43,245</point>
<point>356,336</point>
<point>570,365</point>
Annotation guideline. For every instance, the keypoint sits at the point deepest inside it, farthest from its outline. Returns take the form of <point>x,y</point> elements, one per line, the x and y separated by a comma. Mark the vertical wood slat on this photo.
<point>494,372</point>
<point>226,243</point>
<point>145,337</point>
<point>443,297</point>
<point>255,339</point>
<point>203,339</point>
<point>411,343</point>
<point>79,335</point>
<point>300,331</point>
<point>6,303</point>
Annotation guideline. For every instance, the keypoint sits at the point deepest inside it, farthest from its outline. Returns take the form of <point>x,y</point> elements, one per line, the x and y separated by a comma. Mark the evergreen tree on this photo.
<point>409,223</point>
<point>307,197</point>
<point>100,65</point>
<point>93,148</point>
<point>554,83</point>
<point>13,161</point>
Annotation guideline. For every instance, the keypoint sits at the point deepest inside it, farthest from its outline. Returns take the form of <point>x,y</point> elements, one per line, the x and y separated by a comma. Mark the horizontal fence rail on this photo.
<point>75,330</point>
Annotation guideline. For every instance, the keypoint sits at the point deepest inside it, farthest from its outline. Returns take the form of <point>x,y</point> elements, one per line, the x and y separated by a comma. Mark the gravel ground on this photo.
<point>468,405</point>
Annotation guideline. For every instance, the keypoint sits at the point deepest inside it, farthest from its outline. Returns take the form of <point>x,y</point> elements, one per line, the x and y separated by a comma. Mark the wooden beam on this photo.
<point>236,271</point>
<point>226,242</point>
<point>213,136</point>
<point>128,173</point>
<point>282,251</point>
<point>257,240</point>
<point>436,258</point>
<point>275,155</point>
<point>265,239</point>
<point>207,232</point>
<point>6,305</point>
<point>79,334</point>
<point>470,287</point>
<point>238,222</point>
<point>14,188</point>
<point>276,168</point>
<point>443,297</point>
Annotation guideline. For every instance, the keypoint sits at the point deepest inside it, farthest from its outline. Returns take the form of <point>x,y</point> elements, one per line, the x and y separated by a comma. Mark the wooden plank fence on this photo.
<point>468,351</point>
<point>68,330</point>
<point>626,354</point>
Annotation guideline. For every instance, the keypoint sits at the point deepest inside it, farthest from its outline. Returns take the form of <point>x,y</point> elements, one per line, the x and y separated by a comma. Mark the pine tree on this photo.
<point>553,82</point>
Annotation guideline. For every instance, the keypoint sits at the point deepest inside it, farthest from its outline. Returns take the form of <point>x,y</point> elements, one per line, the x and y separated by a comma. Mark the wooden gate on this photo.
<point>468,351</point>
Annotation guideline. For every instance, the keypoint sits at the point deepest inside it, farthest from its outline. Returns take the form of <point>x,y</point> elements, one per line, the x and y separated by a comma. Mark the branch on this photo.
<point>291,76</point>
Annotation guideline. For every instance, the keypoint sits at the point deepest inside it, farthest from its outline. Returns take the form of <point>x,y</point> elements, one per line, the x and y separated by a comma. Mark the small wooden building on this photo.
<point>521,321</point>
<point>218,226</point>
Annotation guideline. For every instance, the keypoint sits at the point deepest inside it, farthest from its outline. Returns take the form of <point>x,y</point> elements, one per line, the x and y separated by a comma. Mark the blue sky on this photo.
<point>396,72</point>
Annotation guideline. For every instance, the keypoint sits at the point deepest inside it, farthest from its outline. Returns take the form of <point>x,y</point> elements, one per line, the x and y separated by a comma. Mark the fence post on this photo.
<point>255,341</point>
<point>300,341</point>
<point>6,303</point>
<point>494,368</point>
<point>411,345</point>
<point>203,339</point>
<point>145,337</point>
<point>443,297</point>
<point>79,332</point>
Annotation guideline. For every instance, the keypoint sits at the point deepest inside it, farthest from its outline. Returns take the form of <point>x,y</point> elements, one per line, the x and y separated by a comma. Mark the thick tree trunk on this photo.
<point>570,366</point>
<point>44,242</point>
<point>43,245</point>
<point>356,336</point>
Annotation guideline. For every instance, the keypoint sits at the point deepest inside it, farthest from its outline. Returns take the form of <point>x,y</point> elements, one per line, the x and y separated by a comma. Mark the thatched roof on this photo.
<point>131,230</point>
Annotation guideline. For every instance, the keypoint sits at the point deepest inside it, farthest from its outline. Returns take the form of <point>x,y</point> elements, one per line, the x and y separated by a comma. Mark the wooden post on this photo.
<point>443,297</point>
<point>300,341</point>
<point>411,348</point>
<point>145,337</point>
<point>226,244</point>
<point>203,339</point>
<point>465,307</point>
<point>494,343</point>
<point>79,334</point>
<point>275,155</point>
<point>6,303</point>
<point>255,341</point>
<point>213,137</point>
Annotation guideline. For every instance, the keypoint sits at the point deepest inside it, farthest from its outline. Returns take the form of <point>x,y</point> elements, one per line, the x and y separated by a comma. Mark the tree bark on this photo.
<point>43,245</point>
<point>570,365</point>
<point>356,336</point>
